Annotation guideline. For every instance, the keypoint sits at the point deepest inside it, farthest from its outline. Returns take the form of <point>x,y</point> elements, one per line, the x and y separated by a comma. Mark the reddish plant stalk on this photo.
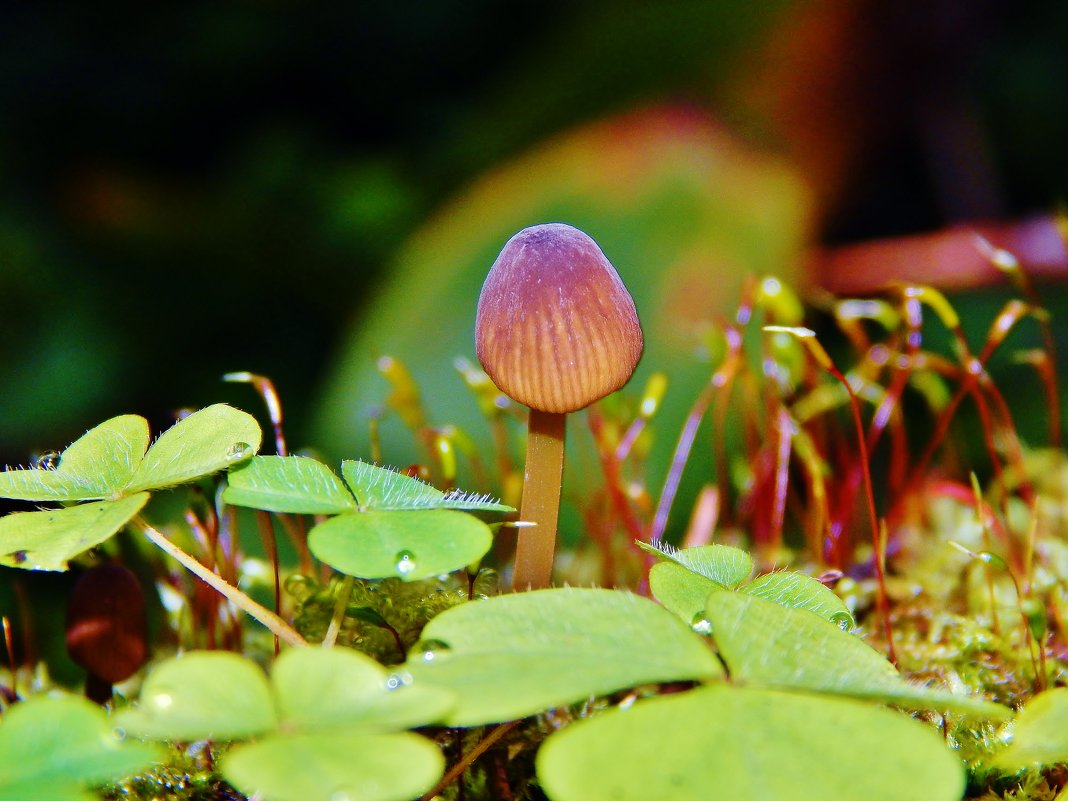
<point>613,478</point>
<point>1010,265</point>
<point>270,545</point>
<point>265,616</point>
<point>808,337</point>
<point>720,381</point>
<point>784,428</point>
<point>457,770</point>
<point>869,491</point>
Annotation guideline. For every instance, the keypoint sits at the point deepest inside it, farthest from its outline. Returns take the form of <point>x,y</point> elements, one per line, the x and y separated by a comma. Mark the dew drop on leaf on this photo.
<point>432,649</point>
<point>405,563</point>
<point>701,624</point>
<point>49,460</point>
<point>239,451</point>
<point>844,621</point>
<point>397,680</point>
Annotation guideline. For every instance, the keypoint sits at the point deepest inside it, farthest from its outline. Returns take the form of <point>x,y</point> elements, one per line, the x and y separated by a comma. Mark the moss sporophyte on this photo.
<point>556,330</point>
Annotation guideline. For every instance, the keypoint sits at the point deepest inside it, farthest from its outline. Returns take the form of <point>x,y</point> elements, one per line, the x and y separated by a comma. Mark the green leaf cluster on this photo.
<point>799,717</point>
<point>683,580</point>
<point>384,525</point>
<point>113,466</point>
<point>388,525</point>
<point>328,724</point>
<point>777,698</point>
<point>515,655</point>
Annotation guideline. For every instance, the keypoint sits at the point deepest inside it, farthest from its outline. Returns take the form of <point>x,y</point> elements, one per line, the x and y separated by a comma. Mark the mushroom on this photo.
<point>556,330</point>
<point>107,628</point>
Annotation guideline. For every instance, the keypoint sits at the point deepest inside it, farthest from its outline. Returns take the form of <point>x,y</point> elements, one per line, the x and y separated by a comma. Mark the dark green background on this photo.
<point>188,189</point>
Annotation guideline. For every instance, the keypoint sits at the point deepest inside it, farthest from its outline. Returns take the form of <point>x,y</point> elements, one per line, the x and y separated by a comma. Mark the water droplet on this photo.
<point>238,451</point>
<point>119,732</point>
<point>397,680</point>
<point>342,794</point>
<point>49,460</point>
<point>162,700</point>
<point>432,649</point>
<point>405,564</point>
<point>843,619</point>
<point>701,624</point>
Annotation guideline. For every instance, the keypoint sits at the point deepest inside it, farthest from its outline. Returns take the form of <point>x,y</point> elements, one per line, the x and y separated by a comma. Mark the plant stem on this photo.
<point>468,759</point>
<point>276,624</point>
<point>341,603</point>
<point>541,500</point>
<point>270,544</point>
<point>878,545</point>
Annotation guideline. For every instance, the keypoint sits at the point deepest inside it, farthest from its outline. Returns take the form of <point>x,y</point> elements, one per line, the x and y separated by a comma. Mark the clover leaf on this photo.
<point>113,466</point>
<point>685,577</point>
<point>748,745</point>
<point>329,721</point>
<point>515,655</point>
<point>387,524</point>
<point>55,749</point>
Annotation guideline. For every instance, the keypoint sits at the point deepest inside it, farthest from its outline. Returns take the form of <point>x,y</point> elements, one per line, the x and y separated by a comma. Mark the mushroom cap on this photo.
<point>556,329</point>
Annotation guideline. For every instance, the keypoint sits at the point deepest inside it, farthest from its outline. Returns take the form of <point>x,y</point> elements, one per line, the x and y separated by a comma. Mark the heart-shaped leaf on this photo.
<point>96,466</point>
<point>1040,735</point>
<point>400,544</point>
<point>748,745</point>
<point>765,644</point>
<point>379,488</point>
<point>47,540</point>
<point>293,484</point>
<point>514,655</point>
<point>222,696</point>
<point>203,443</point>
<point>723,564</point>
<point>683,583</point>
<point>335,766</point>
<point>681,590</point>
<point>203,695</point>
<point>799,591</point>
<point>46,790</point>
<point>54,748</point>
<point>338,687</point>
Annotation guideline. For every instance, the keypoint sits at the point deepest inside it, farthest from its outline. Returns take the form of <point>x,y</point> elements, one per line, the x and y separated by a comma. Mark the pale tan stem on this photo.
<point>273,622</point>
<point>340,605</point>
<point>541,500</point>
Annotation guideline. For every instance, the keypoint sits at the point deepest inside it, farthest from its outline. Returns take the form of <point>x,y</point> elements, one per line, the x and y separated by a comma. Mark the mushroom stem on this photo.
<point>541,500</point>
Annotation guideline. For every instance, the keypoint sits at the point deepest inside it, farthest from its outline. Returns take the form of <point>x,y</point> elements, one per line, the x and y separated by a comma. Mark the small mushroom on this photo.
<point>107,628</point>
<point>556,330</point>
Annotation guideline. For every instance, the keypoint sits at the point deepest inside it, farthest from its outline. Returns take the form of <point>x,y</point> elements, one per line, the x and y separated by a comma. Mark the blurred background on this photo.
<point>187,190</point>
